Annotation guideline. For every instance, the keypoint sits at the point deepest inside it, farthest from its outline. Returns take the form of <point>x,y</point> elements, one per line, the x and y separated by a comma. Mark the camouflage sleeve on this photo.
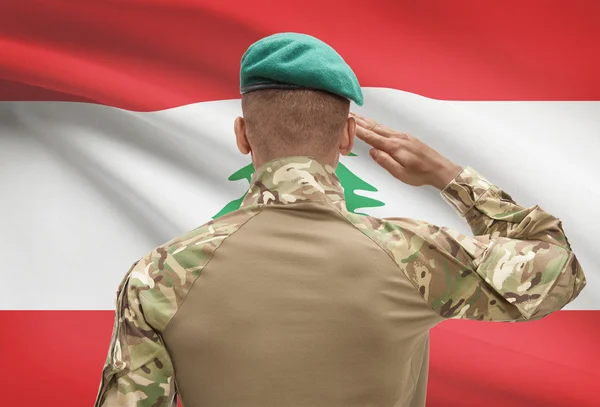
<point>519,265</point>
<point>138,370</point>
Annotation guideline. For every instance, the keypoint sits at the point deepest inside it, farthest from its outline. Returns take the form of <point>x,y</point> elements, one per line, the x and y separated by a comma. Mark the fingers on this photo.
<point>372,125</point>
<point>387,162</point>
<point>363,122</point>
<point>380,129</point>
<point>376,140</point>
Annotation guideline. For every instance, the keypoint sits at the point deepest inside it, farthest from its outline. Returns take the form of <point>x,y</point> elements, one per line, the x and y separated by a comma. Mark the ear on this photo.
<point>347,138</point>
<point>241,139</point>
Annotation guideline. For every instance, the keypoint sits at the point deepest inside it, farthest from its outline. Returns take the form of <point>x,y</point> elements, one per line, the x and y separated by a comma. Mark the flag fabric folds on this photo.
<point>116,135</point>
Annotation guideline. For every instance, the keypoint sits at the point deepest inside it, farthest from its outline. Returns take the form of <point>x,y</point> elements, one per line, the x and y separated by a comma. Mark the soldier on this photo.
<point>294,301</point>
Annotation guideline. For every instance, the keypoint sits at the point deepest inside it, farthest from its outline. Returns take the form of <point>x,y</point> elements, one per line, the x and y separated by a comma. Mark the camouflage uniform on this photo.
<point>292,300</point>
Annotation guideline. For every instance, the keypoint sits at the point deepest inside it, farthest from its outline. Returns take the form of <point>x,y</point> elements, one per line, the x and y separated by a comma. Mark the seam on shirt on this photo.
<point>324,201</point>
<point>392,258</point>
<point>260,209</point>
<point>483,287</point>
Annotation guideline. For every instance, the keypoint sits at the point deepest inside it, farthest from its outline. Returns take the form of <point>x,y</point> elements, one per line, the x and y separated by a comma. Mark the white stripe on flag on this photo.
<point>89,189</point>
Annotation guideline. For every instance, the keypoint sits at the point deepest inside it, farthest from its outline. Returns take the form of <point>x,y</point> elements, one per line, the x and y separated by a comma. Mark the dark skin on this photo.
<point>404,156</point>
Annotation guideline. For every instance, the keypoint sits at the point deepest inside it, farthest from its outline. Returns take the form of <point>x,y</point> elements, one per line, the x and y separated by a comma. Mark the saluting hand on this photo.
<point>404,156</point>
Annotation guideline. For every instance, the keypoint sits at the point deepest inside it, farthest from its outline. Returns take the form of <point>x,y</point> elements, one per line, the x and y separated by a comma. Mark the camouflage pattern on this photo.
<point>294,179</point>
<point>138,371</point>
<point>519,266</point>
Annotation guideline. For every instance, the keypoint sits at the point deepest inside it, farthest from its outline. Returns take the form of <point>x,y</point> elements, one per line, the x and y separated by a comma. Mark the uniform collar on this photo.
<point>294,179</point>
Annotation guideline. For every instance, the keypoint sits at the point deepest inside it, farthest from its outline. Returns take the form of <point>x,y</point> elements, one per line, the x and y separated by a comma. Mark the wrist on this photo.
<point>445,175</point>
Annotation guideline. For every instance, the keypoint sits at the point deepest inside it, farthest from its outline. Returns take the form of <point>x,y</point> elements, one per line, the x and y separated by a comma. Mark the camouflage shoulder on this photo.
<point>166,274</point>
<point>438,262</point>
<point>405,235</point>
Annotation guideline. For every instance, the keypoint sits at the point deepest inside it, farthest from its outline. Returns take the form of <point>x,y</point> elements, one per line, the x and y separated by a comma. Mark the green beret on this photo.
<point>296,61</point>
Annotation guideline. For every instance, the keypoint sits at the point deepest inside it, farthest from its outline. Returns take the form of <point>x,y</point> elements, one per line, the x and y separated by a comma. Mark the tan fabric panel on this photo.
<point>299,308</point>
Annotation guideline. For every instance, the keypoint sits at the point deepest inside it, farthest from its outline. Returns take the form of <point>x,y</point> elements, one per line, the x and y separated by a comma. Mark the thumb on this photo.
<point>387,162</point>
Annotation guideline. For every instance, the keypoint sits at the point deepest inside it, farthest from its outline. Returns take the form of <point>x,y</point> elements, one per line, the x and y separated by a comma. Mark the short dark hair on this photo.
<point>294,122</point>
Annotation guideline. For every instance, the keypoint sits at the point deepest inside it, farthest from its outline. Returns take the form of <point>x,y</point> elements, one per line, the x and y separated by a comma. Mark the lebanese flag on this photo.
<point>116,135</point>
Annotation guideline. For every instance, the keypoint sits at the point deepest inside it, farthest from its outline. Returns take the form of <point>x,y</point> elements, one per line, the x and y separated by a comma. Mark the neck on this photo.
<point>326,159</point>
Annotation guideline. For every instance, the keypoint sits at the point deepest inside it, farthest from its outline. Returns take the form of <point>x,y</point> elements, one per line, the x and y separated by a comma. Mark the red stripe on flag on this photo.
<point>151,55</point>
<point>54,358</point>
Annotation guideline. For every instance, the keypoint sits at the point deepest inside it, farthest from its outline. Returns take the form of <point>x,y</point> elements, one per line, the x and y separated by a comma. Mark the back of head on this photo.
<point>291,122</point>
<point>296,92</point>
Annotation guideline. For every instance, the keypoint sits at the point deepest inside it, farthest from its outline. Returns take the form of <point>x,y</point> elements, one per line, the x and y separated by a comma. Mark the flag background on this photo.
<point>115,135</point>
